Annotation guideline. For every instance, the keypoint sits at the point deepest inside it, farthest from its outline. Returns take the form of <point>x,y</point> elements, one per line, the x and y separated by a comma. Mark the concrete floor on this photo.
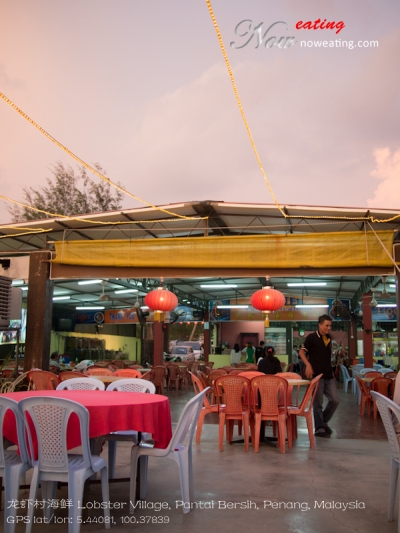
<point>352,466</point>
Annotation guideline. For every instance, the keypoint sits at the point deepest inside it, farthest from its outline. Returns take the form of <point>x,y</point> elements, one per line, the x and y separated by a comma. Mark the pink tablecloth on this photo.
<point>109,412</point>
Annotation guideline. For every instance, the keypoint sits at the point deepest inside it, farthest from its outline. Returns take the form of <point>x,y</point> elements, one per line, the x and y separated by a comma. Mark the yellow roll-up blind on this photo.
<point>339,249</point>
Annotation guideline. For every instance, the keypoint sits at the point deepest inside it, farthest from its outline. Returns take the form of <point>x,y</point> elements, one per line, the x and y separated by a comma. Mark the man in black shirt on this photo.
<point>259,351</point>
<point>318,348</point>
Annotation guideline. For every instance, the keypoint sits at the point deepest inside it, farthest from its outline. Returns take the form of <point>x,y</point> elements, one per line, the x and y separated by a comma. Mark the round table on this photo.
<point>109,412</point>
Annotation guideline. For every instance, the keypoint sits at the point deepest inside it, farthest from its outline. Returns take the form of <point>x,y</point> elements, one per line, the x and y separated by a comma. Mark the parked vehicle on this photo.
<point>195,345</point>
<point>185,353</point>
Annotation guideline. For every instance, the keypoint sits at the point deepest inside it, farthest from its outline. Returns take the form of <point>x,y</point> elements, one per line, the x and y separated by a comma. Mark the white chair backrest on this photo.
<point>383,371</point>
<point>132,385</point>
<point>387,408</point>
<point>377,367</point>
<point>50,418</point>
<point>187,422</point>
<point>81,384</point>
<point>5,405</point>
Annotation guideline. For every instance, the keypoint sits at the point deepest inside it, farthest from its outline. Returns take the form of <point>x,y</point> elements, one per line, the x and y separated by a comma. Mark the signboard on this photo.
<point>89,317</point>
<point>121,316</point>
<point>337,310</point>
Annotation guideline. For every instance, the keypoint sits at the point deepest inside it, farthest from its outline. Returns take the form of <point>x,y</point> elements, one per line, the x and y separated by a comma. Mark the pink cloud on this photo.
<point>387,194</point>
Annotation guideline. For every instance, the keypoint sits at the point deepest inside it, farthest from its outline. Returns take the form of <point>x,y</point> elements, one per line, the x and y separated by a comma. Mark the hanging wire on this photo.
<point>235,90</point>
<point>89,167</point>
<point>98,222</point>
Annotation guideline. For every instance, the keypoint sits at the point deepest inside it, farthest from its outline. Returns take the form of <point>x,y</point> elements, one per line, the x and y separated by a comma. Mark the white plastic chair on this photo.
<point>13,465</point>
<point>347,379</point>
<point>132,385</point>
<point>81,384</point>
<point>179,449</point>
<point>389,412</point>
<point>50,418</point>
<point>125,385</point>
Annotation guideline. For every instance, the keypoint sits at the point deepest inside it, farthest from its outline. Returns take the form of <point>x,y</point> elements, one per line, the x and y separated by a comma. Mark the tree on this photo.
<point>68,193</point>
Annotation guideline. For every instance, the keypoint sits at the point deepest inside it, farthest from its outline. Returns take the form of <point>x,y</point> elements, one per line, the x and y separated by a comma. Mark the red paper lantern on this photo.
<point>161,300</point>
<point>268,299</point>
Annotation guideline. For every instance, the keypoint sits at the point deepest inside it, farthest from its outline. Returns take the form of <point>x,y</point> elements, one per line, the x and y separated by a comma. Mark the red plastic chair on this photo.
<point>205,410</point>
<point>382,385</point>
<point>127,373</point>
<point>42,380</point>
<point>173,375</point>
<point>159,374</point>
<point>366,398</point>
<point>98,372</point>
<point>372,374</point>
<point>185,377</point>
<point>237,371</point>
<point>235,390</point>
<point>271,389</point>
<point>291,375</point>
<point>70,375</point>
<point>305,409</point>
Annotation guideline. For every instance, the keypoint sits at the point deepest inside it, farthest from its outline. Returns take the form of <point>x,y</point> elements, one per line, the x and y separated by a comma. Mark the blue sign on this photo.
<point>89,317</point>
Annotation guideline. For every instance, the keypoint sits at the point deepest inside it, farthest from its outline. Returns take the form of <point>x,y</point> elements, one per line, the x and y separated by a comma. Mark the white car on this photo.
<point>195,345</point>
<point>184,352</point>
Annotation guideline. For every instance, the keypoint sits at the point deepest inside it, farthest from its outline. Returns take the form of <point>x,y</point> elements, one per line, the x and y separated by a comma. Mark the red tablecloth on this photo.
<point>109,412</point>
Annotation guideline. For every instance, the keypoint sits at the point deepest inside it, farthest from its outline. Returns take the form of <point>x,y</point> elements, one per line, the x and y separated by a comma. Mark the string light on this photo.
<point>99,222</point>
<point>86,165</point>
<point>228,66</point>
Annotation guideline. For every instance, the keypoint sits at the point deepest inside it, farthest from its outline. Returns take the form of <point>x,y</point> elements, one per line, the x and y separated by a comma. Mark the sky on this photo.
<point>142,89</point>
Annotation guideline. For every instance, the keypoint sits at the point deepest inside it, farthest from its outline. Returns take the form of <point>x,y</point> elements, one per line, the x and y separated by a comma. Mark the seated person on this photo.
<point>54,364</point>
<point>269,364</point>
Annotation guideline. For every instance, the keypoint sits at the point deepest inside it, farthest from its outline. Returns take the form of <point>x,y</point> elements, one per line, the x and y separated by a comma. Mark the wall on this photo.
<point>130,345</point>
<point>230,331</point>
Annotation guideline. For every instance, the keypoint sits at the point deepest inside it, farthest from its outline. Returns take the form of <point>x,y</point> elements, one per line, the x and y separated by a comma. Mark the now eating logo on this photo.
<point>270,38</point>
<point>245,29</point>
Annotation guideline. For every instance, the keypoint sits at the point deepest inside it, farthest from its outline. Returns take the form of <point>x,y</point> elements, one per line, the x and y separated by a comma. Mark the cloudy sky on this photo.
<point>141,88</point>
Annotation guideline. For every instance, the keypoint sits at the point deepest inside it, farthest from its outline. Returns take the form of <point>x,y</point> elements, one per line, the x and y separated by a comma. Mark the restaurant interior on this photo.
<point>96,310</point>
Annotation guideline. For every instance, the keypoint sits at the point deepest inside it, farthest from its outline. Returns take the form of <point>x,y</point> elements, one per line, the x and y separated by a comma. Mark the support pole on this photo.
<point>398,312</point>
<point>158,343</point>
<point>353,339</point>
<point>39,312</point>
<point>367,330</point>
<point>207,336</point>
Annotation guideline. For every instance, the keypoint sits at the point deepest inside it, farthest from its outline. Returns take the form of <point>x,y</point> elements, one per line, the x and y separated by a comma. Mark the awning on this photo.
<point>319,250</point>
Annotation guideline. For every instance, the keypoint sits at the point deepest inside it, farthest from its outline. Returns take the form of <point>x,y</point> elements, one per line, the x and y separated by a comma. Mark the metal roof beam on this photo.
<point>215,222</point>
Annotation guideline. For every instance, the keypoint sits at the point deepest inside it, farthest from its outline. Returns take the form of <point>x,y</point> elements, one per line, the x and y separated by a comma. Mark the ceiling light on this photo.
<point>59,293</point>
<point>392,286</point>
<point>89,281</point>
<point>306,306</point>
<point>123,291</point>
<point>223,286</point>
<point>87,308</point>
<point>386,305</point>
<point>24,288</point>
<point>61,298</point>
<point>144,307</point>
<point>308,284</point>
<point>232,306</point>
<point>17,282</point>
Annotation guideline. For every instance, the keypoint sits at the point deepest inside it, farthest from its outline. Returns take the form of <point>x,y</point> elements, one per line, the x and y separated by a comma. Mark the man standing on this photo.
<point>318,348</point>
<point>260,352</point>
